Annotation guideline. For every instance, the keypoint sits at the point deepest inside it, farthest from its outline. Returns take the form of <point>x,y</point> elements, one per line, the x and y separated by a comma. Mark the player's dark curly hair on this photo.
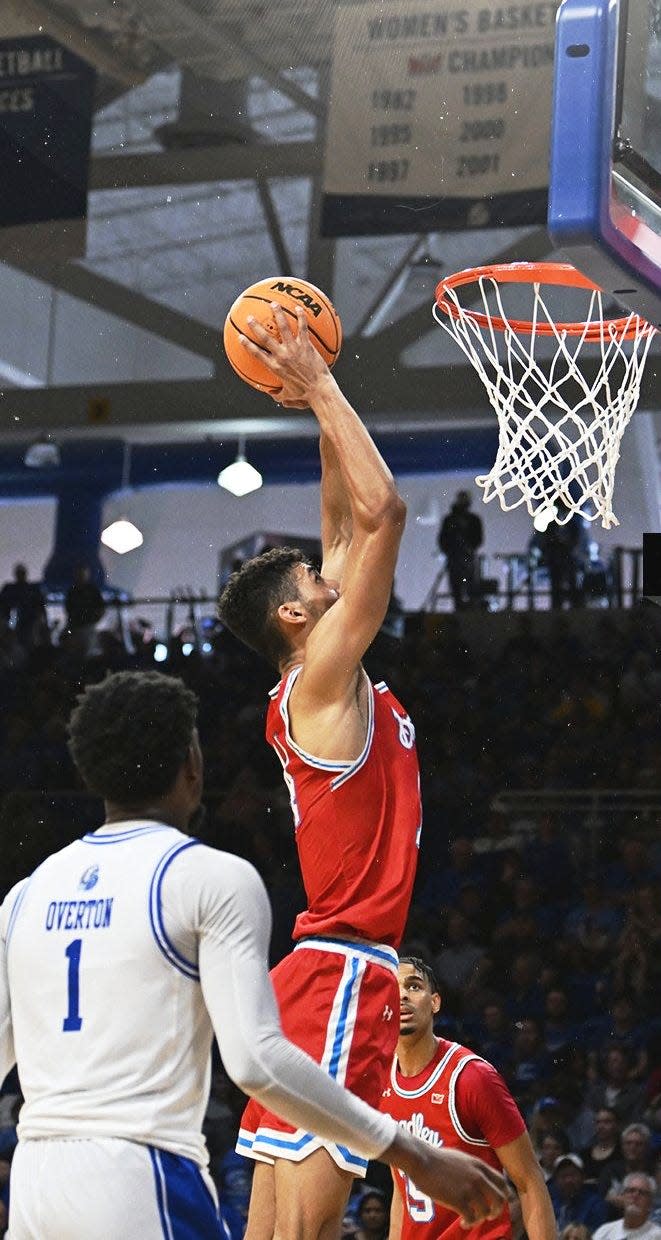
<point>425,969</point>
<point>129,735</point>
<point>249,602</point>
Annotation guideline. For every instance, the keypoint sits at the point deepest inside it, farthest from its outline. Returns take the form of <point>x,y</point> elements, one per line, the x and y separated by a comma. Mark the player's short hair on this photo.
<point>129,735</point>
<point>425,969</point>
<point>249,602</point>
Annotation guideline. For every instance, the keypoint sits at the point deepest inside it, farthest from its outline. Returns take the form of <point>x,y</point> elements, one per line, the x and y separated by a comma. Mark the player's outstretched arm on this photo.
<point>457,1180</point>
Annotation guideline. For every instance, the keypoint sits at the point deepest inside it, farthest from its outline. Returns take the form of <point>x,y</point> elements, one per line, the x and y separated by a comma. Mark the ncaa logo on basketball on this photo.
<point>89,878</point>
<point>406,730</point>
<point>299,294</point>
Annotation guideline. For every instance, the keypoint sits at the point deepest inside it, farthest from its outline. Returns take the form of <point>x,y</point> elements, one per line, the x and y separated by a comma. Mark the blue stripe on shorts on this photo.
<point>185,1206</point>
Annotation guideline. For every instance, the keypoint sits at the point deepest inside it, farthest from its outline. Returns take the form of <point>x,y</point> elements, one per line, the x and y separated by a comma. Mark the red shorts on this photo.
<point>339,1001</point>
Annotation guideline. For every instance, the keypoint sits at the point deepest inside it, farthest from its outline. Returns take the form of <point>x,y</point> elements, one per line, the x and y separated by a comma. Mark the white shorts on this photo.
<point>108,1189</point>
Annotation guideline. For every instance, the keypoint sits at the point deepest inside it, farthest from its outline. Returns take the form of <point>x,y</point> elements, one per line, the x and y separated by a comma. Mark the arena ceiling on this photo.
<point>206,173</point>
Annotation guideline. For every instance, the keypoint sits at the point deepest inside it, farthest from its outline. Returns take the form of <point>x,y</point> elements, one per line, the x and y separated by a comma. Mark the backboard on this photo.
<point>605,167</point>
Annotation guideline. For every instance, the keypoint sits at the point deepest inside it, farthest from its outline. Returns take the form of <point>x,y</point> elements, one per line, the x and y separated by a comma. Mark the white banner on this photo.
<point>432,101</point>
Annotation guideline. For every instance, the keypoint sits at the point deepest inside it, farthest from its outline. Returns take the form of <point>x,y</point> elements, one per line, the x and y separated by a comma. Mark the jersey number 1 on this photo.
<point>73,1021</point>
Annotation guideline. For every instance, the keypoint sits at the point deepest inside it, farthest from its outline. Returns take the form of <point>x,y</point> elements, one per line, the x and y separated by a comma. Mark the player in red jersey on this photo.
<point>449,1096</point>
<point>348,754</point>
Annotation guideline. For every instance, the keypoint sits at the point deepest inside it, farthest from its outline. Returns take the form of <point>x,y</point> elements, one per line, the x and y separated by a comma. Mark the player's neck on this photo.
<point>413,1054</point>
<point>293,659</point>
<point>146,813</point>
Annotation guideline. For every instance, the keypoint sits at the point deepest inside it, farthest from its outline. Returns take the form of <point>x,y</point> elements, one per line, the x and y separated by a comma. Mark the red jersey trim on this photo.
<point>345,769</point>
<point>452,1105</point>
<point>429,1080</point>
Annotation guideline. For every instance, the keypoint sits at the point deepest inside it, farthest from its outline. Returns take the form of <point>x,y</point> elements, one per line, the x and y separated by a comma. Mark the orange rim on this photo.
<point>626,328</point>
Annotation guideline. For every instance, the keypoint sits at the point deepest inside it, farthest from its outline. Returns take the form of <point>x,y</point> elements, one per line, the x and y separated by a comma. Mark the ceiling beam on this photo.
<point>127,304</point>
<point>38,15</point>
<point>411,327</point>
<point>229,162</point>
<point>377,390</point>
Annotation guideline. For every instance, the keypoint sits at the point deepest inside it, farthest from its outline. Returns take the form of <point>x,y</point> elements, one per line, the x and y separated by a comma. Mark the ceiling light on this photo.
<point>44,453</point>
<point>122,536</point>
<point>240,478</point>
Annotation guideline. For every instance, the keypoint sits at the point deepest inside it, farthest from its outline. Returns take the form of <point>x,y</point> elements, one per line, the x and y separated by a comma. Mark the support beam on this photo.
<point>534,247</point>
<point>127,304</point>
<point>275,231</point>
<point>37,15</point>
<point>387,391</point>
<point>231,162</point>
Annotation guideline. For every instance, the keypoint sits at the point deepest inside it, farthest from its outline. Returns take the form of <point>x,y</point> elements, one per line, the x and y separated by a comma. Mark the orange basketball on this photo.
<point>324,325</point>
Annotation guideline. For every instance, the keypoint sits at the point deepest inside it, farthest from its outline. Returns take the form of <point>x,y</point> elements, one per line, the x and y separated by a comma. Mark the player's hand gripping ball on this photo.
<point>324,326</point>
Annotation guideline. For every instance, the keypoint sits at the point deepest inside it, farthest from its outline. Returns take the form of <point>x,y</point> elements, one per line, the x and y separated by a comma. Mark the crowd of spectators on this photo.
<point>546,938</point>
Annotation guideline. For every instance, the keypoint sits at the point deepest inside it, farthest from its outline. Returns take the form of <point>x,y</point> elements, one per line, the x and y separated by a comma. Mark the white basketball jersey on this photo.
<point>110,1027</point>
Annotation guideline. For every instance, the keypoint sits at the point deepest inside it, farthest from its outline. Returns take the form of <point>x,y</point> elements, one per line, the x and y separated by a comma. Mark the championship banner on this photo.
<point>46,103</point>
<point>439,116</point>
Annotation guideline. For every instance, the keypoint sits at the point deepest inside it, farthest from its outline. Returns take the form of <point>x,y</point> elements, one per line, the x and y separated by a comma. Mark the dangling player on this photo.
<point>453,1099</point>
<point>347,749</point>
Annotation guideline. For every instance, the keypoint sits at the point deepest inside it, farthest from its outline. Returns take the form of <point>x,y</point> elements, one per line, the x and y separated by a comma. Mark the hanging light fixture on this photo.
<point>240,478</point>
<point>44,453</point>
<point>122,535</point>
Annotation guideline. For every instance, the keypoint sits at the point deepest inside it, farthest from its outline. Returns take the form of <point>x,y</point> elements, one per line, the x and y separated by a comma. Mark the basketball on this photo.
<point>324,325</point>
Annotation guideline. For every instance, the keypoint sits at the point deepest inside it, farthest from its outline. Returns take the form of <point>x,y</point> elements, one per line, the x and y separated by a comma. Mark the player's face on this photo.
<point>417,1003</point>
<point>317,594</point>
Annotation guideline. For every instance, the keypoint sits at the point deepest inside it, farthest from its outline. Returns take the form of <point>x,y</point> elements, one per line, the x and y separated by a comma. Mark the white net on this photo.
<point>560,422</point>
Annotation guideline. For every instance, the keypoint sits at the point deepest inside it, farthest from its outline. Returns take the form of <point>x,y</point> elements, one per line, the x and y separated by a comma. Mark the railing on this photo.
<point>518,580</point>
<point>183,616</point>
<point>592,810</point>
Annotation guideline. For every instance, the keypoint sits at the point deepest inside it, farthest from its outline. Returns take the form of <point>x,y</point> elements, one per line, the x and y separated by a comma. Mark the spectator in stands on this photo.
<point>372,1215</point>
<point>605,1152</point>
<point>525,922</point>
<point>84,607</point>
<point>636,1223</point>
<point>530,1064</point>
<point>558,1028</point>
<point>494,1034</point>
<point>459,538</point>
<point>562,549</point>
<point>630,870</point>
<point>554,1143</point>
<point>595,922</point>
<point>442,885</point>
<point>640,684</point>
<point>525,996</point>
<point>573,1200</point>
<point>83,601</point>
<point>616,1089</point>
<point>23,608</point>
<point>459,965</point>
<point>637,1156</point>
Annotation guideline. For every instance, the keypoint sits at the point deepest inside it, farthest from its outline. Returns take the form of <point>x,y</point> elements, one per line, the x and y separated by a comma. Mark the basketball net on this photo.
<point>560,426</point>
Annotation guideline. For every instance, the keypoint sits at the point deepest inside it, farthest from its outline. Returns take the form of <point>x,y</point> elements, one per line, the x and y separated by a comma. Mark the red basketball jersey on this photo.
<point>459,1101</point>
<point>357,823</point>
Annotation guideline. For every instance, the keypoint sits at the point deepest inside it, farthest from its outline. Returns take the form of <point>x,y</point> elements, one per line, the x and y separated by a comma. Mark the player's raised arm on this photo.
<point>377,513</point>
<point>336,522</point>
